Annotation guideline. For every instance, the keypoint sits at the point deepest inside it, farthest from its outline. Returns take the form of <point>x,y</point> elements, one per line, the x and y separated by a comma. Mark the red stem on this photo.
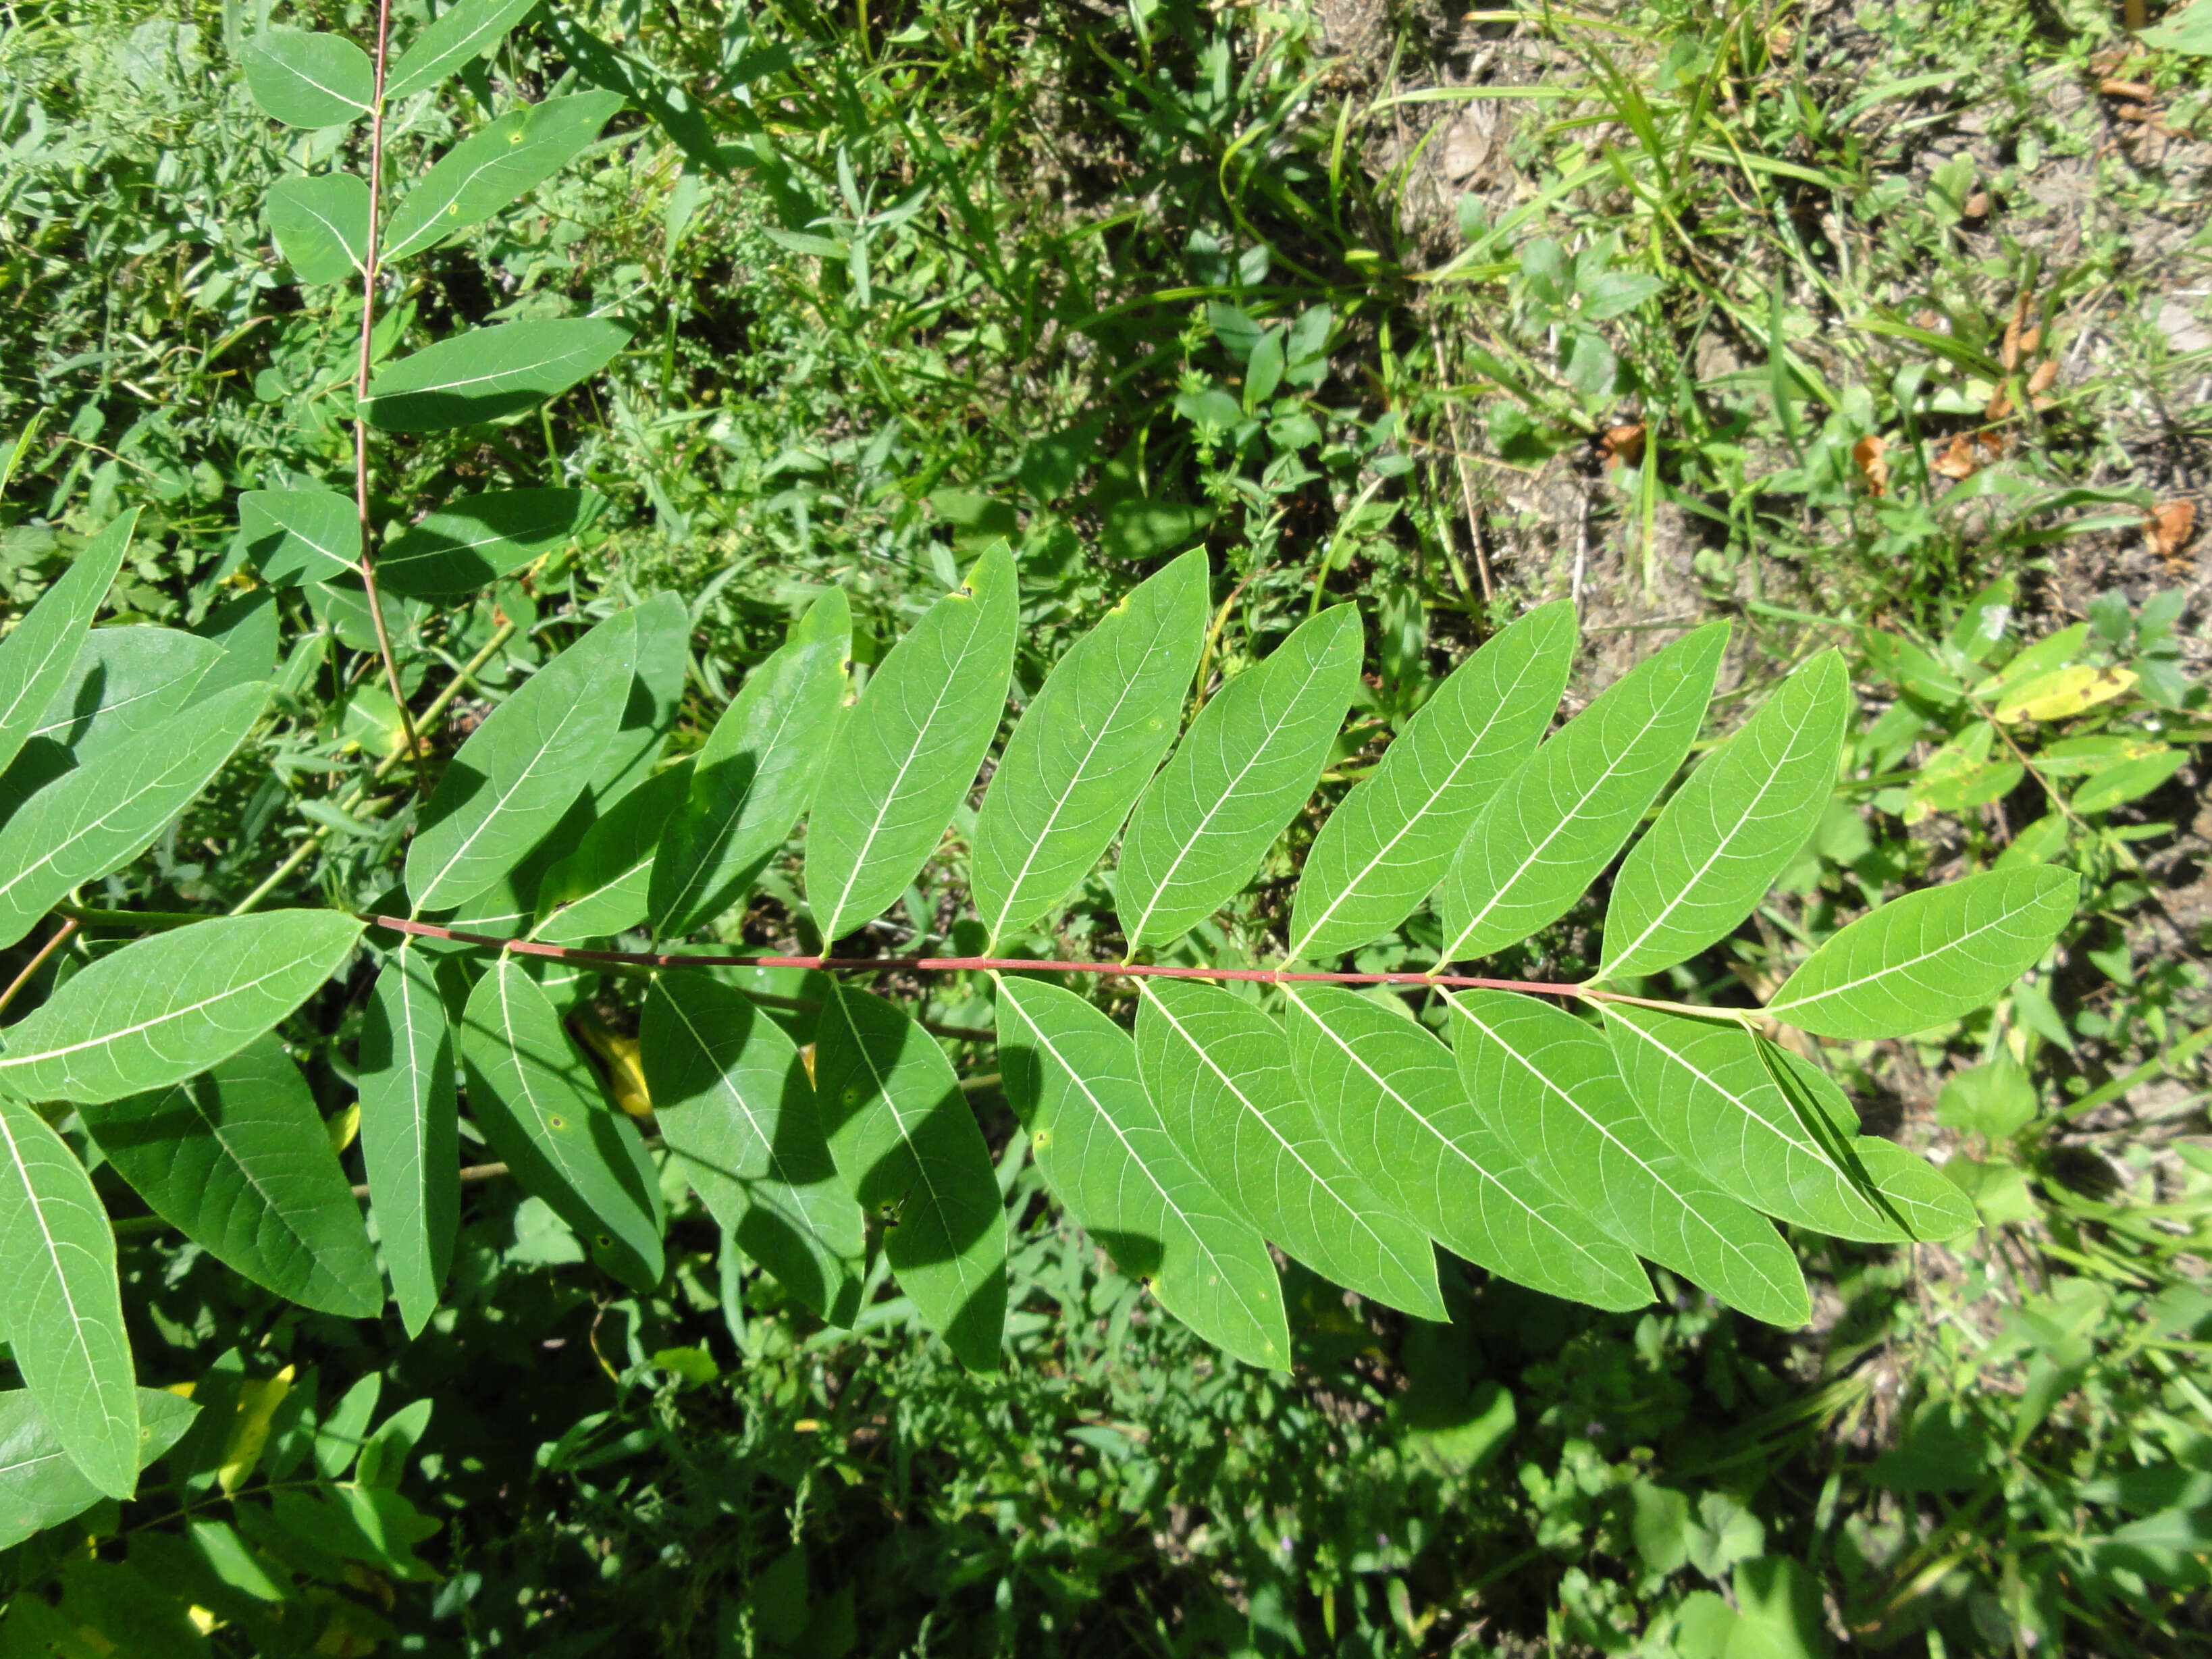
<point>952,964</point>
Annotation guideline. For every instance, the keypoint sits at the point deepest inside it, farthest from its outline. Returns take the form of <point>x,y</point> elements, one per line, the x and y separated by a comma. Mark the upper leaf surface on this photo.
<point>1548,1084</point>
<point>495,168</point>
<point>1086,747</point>
<point>40,1484</point>
<point>1390,842</point>
<point>1930,956</point>
<point>487,372</point>
<point>300,535</point>
<point>1248,763</point>
<point>1387,1095</point>
<point>600,888</point>
<point>906,754</point>
<point>733,1098</point>
<point>1728,832</point>
<point>123,681</point>
<point>37,656</point>
<point>239,1160</point>
<point>521,770</point>
<point>167,1007</point>
<point>1072,1077</point>
<point>410,1131</point>
<point>63,1304</point>
<point>1220,1070</point>
<point>471,542</point>
<point>308,79</point>
<point>320,221</point>
<point>449,40</point>
<point>905,1140</point>
<point>1559,819</point>
<point>752,779</point>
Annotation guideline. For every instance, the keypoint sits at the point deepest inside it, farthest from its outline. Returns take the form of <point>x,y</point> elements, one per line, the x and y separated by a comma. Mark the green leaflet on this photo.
<point>1548,1084</point>
<point>487,372</point>
<point>123,681</point>
<point>300,535</point>
<point>1930,956</point>
<point>449,40</point>
<point>496,167</point>
<point>1915,1190</point>
<point>750,782</point>
<point>108,811</point>
<point>1387,846</point>
<point>40,1484</point>
<point>732,1095</point>
<point>169,1005</point>
<point>471,542</point>
<point>409,1132</point>
<point>1220,1072</point>
<point>905,1140</point>
<point>1726,834</point>
<point>309,80</point>
<point>37,656</point>
<point>1086,747</point>
<point>540,1108</point>
<point>239,1160</point>
<point>904,759</point>
<point>1073,1079</point>
<point>62,1305</point>
<point>1558,820</point>
<point>600,888</point>
<point>1388,1096</point>
<point>656,695</point>
<point>520,771</point>
<point>320,221</point>
<point>1246,765</point>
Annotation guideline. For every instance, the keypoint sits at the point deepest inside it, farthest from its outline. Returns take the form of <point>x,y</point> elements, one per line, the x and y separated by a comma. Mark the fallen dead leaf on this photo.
<point>2134,89</point>
<point>2167,529</point>
<point>1977,206</point>
<point>1967,454</point>
<point>2045,377</point>
<point>1623,445</point>
<point>1872,454</point>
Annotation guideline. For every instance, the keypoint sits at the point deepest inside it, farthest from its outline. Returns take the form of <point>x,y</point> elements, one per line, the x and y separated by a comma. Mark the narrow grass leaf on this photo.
<point>1219,1069</point>
<point>123,681</point>
<point>107,811</point>
<point>1086,747</point>
<point>1388,1096</point>
<point>320,224</point>
<point>600,888</point>
<point>1559,819</point>
<point>1072,1077</point>
<point>905,756</point>
<point>40,1484</point>
<point>410,1129</point>
<point>1387,846</point>
<point>473,542</point>
<point>300,535</point>
<point>1930,956</point>
<point>1726,834</point>
<point>1248,762</point>
<point>521,770</point>
<point>167,1007</point>
<point>495,168</point>
<point>752,779</point>
<point>449,40</point>
<point>540,1108</point>
<point>1548,1084</point>
<point>39,652</point>
<point>63,1304</point>
<point>905,1140</point>
<point>308,79</point>
<point>733,1098</point>
<point>238,1160</point>
<point>487,372</point>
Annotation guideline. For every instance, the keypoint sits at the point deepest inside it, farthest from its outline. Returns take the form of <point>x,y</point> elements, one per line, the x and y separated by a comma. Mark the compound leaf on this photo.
<point>320,221</point>
<point>309,80</point>
<point>1558,820</point>
<point>1389,843</point>
<point>1548,1084</point>
<point>448,41</point>
<point>540,1108</point>
<point>300,535</point>
<point>731,1093</point>
<point>123,681</point>
<point>520,771</point>
<point>240,1161</point>
<point>472,542</point>
<point>62,1303</point>
<point>495,168</point>
<point>1388,1096</point>
<point>1086,747</point>
<point>490,372</point>
<point>904,1139</point>
<point>1072,1077</point>
<point>1248,763</point>
<point>600,888</point>
<point>1218,1070</point>
<point>1726,834</point>
<point>40,1484</point>
<point>410,1129</point>
<point>1930,956</point>
<point>39,654</point>
<point>169,1005</point>
<point>750,782</point>
<point>905,756</point>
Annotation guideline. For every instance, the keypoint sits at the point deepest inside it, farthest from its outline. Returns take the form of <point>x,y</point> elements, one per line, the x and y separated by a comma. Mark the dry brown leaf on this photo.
<point>2019,338</point>
<point>1978,206</point>
<point>2126,89</point>
<point>2045,377</point>
<point>1623,445</point>
<point>1999,405</point>
<point>2167,529</point>
<point>1967,454</point>
<point>1872,454</point>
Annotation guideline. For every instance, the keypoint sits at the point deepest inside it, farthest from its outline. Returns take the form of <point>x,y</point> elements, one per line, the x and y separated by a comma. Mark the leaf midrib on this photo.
<point>1900,967</point>
<point>583,707</point>
<point>79,1345</point>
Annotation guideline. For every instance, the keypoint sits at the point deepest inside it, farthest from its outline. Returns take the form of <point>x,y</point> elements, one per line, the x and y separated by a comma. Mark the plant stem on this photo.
<point>61,937</point>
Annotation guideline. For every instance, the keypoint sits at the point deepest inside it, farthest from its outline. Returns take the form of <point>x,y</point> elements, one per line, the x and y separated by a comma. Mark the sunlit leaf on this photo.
<point>308,79</point>
<point>461,31</point>
<point>300,535</point>
<point>487,372</point>
<point>600,888</point>
<point>496,167</point>
<point>471,542</point>
<point>320,221</point>
<point>126,680</point>
<point>40,1484</point>
<point>37,657</point>
<point>409,1133</point>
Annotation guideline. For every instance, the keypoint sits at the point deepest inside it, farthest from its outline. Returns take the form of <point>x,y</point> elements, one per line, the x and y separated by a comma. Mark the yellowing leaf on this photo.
<point>2063,692</point>
<point>258,1400</point>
